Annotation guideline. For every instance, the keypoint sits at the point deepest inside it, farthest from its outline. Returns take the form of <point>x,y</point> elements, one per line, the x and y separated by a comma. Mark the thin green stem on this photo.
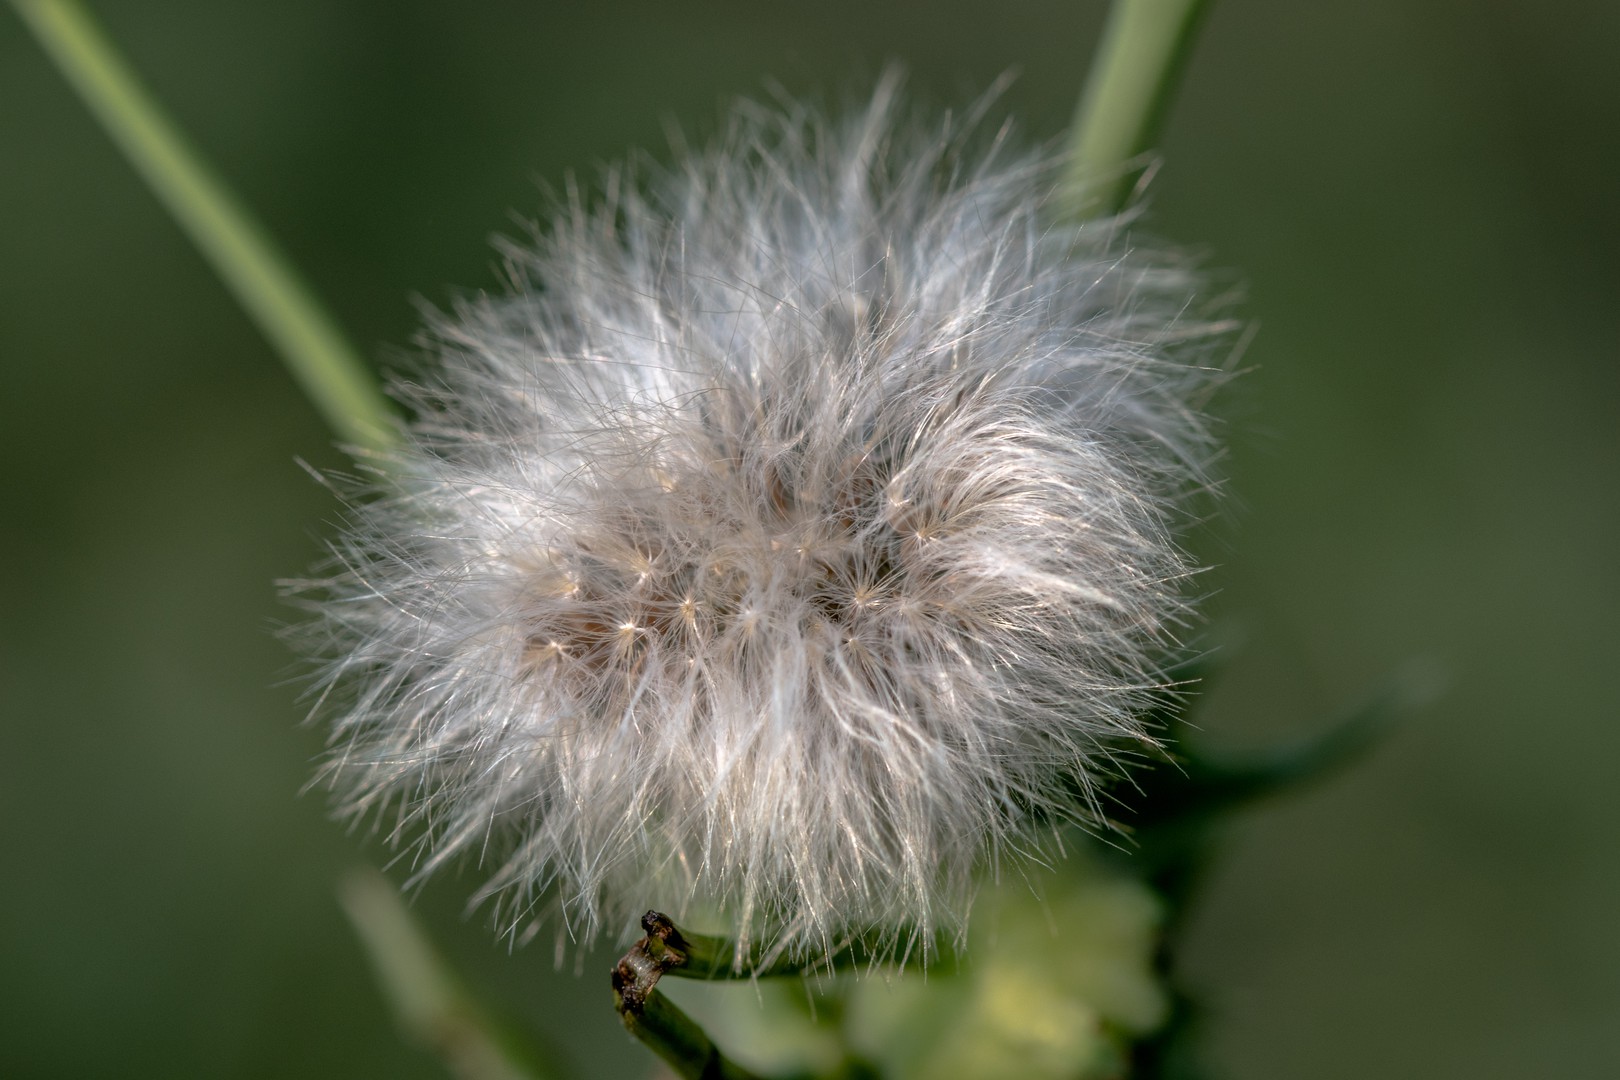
<point>657,1021</point>
<point>1139,60</point>
<point>668,1032</point>
<point>429,1002</point>
<point>705,956</point>
<point>308,340</point>
<point>687,955</point>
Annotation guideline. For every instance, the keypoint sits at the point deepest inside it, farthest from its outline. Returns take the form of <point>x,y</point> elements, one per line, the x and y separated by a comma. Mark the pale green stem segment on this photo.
<point>657,1021</point>
<point>689,955</point>
<point>429,1002</point>
<point>308,340</point>
<point>1139,60</point>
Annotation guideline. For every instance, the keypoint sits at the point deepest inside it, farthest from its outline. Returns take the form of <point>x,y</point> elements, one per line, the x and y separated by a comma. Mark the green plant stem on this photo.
<point>705,956</point>
<point>1139,60</point>
<point>308,340</point>
<point>429,1002</point>
<point>680,1041</point>
<point>686,955</point>
<point>657,1021</point>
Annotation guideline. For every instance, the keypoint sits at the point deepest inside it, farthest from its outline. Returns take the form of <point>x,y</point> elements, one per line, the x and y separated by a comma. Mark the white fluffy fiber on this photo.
<point>794,539</point>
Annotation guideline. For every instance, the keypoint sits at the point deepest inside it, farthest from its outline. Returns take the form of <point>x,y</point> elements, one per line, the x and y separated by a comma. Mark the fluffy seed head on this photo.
<point>795,537</point>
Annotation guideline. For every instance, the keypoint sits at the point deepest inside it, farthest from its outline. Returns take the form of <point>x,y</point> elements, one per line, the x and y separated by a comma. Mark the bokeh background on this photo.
<point>1422,199</point>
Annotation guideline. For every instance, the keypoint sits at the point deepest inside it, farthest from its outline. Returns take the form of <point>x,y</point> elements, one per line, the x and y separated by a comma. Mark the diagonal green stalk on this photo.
<point>658,1022</point>
<point>689,955</point>
<point>429,1002</point>
<point>1144,47</point>
<point>309,341</point>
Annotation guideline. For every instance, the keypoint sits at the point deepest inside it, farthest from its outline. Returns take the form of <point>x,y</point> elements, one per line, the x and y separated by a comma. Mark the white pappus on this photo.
<point>795,538</point>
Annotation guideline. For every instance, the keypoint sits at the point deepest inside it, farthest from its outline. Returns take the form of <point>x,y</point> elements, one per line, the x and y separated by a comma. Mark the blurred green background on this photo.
<point>1422,199</point>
